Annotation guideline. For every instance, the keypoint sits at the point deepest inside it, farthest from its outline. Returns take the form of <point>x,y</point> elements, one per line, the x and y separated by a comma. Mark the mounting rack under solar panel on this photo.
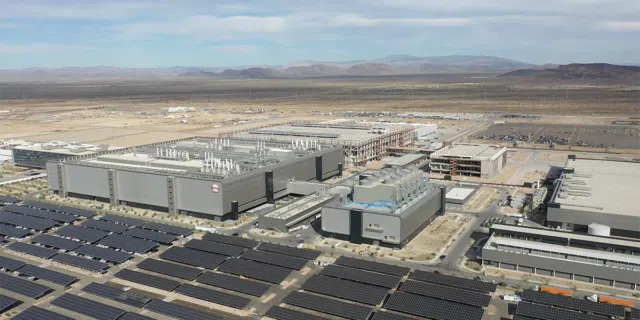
<point>280,313</point>
<point>177,311</point>
<point>446,293</point>
<point>79,262</point>
<point>275,259</point>
<point>103,253</point>
<point>233,283</point>
<point>123,220</point>
<point>12,231</point>
<point>386,315</point>
<point>234,241</point>
<point>432,308</point>
<point>345,289</point>
<point>60,278</point>
<point>87,307</point>
<point>10,264</point>
<point>572,303</point>
<point>372,266</point>
<point>56,242</point>
<point>214,247</point>
<point>147,279</point>
<point>361,276</point>
<point>105,226</point>
<point>23,287</point>
<point>169,269</point>
<point>164,238</point>
<point>290,251</point>
<point>167,228</point>
<point>7,303</point>
<point>37,313</point>
<point>328,305</point>
<point>193,257</point>
<point>255,270</point>
<point>129,244</point>
<point>543,312</point>
<point>130,298</point>
<point>451,281</point>
<point>81,233</point>
<point>33,250</point>
<point>218,297</point>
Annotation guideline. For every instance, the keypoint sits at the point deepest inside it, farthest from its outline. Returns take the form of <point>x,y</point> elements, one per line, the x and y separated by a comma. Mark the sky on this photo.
<point>218,33</point>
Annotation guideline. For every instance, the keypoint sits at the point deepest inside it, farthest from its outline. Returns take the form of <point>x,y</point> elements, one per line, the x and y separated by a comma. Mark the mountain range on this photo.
<point>594,72</point>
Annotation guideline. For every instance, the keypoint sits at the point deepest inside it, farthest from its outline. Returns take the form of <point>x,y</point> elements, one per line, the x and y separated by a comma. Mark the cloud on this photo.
<point>359,21</point>
<point>620,26</point>
<point>107,10</point>
<point>41,48</point>
<point>237,49</point>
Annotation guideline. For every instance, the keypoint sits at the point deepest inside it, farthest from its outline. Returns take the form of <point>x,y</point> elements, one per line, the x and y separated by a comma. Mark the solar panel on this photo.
<point>130,298</point>
<point>432,308</point>
<point>275,259</point>
<point>6,216</point>
<point>64,209</point>
<point>167,228</point>
<point>170,269</point>
<point>232,283</point>
<point>55,216</point>
<point>79,262</point>
<point>10,264</point>
<point>33,250</point>
<point>213,247</point>
<point>103,253</point>
<point>105,226</point>
<point>90,308</point>
<point>519,317</point>
<point>372,266</point>
<point>56,242</point>
<point>280,313</point>
<point>82,233</point>
<point>386,315</point>
<point>33,223</point>
<point>164,238</point>
<point>446,293</point>
<point>23,287</point>
<point>451,281</point>
<point>635,313</point>
<point>572,303</point>
<point>123,220</point>
<point>234,241</point>
<point>177,311</point>
<point>543,312</point>
<point>193,257</point>
<point>13,232</point>
<point>134,316</point>
<point>60,278</point>
<point>7,303</point>
<point>8,199</point>
<point>345,289</point>
<point>147,279</point>
<point>37,313</point>
<point>290,251</point>
<point>130,244</point>
<point>328,305</point>
<point>362,276</point>
<point>255,270</point>
<point>218,297</point>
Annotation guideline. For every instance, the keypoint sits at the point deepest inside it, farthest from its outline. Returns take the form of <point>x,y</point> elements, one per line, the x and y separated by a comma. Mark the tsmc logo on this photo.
<point>215,188</point>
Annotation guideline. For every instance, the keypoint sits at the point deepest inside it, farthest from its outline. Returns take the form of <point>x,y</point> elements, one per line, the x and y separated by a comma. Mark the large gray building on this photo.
<point>589,258</point>
<point>597,191</point>
<point>388,208</point>
<point>202,177</point>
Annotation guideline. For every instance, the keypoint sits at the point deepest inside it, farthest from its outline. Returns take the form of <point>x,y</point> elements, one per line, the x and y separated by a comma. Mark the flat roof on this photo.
<point>67,148</point>
<point>406,159</point>
<point>459,193</point>
<point>600,185</point>
<point>469,151</point>
<point>317,132</point>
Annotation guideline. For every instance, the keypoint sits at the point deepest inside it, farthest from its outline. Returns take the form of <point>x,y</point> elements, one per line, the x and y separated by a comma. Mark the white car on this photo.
<point>511,297</point>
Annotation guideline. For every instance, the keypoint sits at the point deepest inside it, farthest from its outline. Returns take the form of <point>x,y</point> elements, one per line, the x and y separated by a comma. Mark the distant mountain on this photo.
<point>581,72</point>
<point>314,70</point>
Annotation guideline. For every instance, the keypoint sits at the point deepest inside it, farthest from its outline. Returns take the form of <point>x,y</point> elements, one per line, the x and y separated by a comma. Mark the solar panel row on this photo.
<point>126,297</point>
<point>234,241</point>
<point>103,253</point>
<point>87,307</point>
<point>193,257</point>
<point>6,216</point>
<point>12,231</point>
<point>170,269</point>
<point>345,289</point>
<point>23,287</point>
<point>10,264</point>
<point>290,251</point>
<point>218,297</point>
<point>543,312</point>
<point>60,278</point>
<point>232,283</point>
<point>372,266</point>
<point>34,223</point>
<point>255,270</point>
<point>179,312</point>
<point>280,313</point>
<point>130,244</point>
<point>123,220</point>
<point>147,279</point>
<point>164,238</point>
<point>275,259</point>
<point>37,313</point>
<point>8,199</point>
<point>105,226</point>
<point>451,281</point>
<point>446,293</point>
<point>7,303</point>
<point>386,315</point>
<point>572,303</point>
<point>214,247</point>
<point>33,250</point>
<point>82,233</point>
<point>432,308</point>
<point>44,214</point>
<point>362,276</point>
<point>167,228</point>
<point>79,262</point>
<point>328,306</point>
<point>56,242</point>
<point>64,209</point>
<point>134,316</point>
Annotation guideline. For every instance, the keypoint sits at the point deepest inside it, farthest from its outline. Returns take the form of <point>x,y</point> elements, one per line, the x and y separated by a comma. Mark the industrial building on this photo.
<point>597,191</point>
<point>388,208</point>
<point>202,177</point>
<point>362,141</point>
<point>36,155</point>
<point>465,159</point>
<point>602,260</point>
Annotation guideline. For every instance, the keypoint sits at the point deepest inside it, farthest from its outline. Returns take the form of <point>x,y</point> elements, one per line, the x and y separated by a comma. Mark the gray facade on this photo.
<point>35,158</point>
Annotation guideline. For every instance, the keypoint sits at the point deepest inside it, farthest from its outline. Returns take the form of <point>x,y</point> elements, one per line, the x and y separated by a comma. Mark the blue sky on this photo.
<point>217,33</point>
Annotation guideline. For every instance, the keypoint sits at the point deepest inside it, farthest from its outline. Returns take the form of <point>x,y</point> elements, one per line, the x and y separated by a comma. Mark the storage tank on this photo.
<point>597,229</point>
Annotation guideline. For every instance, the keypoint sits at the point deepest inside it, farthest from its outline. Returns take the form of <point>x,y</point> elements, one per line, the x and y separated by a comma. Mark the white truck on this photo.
<point>511,297</point>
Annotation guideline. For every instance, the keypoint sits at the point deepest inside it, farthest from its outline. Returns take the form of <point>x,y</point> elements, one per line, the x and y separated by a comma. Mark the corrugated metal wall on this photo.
<point>196,196</point>
<point>142,188</point>
<point>87,180</point>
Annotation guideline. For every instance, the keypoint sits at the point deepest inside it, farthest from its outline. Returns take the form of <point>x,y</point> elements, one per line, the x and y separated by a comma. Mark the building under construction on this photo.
<point>464,159</point>
<point>362,141</point>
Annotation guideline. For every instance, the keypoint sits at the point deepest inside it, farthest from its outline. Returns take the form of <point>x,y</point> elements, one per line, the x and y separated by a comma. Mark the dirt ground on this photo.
<point>481,200</point>
<point>520,157</point>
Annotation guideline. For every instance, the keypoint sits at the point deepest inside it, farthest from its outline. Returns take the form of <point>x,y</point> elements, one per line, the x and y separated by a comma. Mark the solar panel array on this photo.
<point>6,216</point>
<point>105,226</point>
<point>128,243</point>
<point>280,313</point>
<point>543,312</point>
<point>123,220</point>
<point>10,264</point>
<point>218,297</point>
<point>452,281</point>
<point>7,303</point>
<point>213,247</point>
<point>170,269</point>
<point>56,242</point>
<point>134,316</point>
<point>345,289</point>
<point>60,278</point>
<point>103,253</point>
<point>177,311</point>
<point>328,306</point>
<point>362,276</point>
<point>432,308</point>
<point>635,313</point>
<point>33,250</point>
<point>386,315</point>
<point>54,207</point>
<point>147,279</point>
<point>275,259</point>
<point>23,287</point>
<point>33,223</point>
<point>167,228</point>
<point>234,241</point>
<point>232,283</point>
<point>37,313</point>
<point>193,257</point>
<point>82,233</point>
<point>8,199</point>
<point>87,307</point>
<point>446,293</point>
<point>572,303</point>
<point>290,251</point>
<point>372,266</point>
<point>255,270</point>
<point>12,231</point>
<point>130,298</point>
<point>79,262</point>
<point>164,238</point>
<point>55,216</point>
